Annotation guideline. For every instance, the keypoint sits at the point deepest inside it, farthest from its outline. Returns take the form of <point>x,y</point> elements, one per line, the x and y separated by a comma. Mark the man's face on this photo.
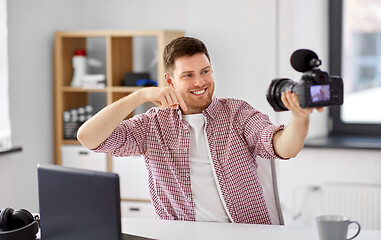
<point>193,78</point>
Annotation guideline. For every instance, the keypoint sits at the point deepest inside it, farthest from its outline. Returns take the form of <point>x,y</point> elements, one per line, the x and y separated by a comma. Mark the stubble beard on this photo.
<point>198,107</point>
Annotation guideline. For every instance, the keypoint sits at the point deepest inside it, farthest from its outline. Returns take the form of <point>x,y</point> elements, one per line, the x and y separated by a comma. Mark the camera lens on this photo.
<point>275,90</point>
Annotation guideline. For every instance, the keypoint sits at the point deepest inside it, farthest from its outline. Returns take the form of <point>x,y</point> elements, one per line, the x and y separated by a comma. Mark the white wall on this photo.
<point>240,36</point>
<point>5,120</point>
<point>31,25</point>
<point>304,24</point>
<point>314,167</point>
<point>242,40</point>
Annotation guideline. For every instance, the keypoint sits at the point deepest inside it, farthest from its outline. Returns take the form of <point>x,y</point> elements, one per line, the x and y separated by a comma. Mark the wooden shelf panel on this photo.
<point>70,142</point>
<point>125,89</point>
<point>120,89</point>
<point>73,99</point>
<point>71,89</point>
<point>118,57</point>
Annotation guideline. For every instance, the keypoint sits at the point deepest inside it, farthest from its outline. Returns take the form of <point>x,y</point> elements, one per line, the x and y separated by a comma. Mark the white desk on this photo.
<point>162,229</point>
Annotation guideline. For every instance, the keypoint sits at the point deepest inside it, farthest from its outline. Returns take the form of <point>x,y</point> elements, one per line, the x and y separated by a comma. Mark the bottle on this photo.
<point>80,67</point>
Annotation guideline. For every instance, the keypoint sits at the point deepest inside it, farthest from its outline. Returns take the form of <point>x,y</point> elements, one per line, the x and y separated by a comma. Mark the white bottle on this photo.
<point>80,67</point>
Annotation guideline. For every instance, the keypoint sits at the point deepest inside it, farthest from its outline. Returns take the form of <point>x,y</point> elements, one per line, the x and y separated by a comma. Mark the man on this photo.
<point>199,150</point>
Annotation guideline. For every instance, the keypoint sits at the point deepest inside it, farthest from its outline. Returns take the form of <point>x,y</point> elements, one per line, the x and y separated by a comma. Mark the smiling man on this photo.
<point>200,151</point>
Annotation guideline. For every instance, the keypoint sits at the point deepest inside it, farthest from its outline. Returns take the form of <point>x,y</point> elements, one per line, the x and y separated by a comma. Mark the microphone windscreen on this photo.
<point>300,59</point>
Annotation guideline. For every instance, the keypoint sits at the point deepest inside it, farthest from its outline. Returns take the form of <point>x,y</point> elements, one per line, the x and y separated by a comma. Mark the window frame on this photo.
<point>337,126</point>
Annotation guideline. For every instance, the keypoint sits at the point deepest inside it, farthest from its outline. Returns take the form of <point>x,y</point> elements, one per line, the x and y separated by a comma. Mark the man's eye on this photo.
<point>188,75</point>
<point>206,71</point>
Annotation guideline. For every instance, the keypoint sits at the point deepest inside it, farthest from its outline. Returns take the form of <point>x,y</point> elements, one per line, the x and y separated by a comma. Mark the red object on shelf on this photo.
<point>80,52</point>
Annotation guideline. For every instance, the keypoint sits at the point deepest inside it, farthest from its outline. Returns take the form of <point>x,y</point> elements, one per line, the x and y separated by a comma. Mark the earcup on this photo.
<point>21,218</point>
<point>6,219</point>
<point>17,225</point>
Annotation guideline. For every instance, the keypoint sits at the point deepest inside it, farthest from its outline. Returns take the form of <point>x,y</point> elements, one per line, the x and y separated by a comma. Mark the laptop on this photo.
<point>79,204</point>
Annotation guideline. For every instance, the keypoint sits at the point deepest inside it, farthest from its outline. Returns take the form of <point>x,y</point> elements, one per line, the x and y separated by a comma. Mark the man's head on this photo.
<point>188,70</point>
<point>182,46</point>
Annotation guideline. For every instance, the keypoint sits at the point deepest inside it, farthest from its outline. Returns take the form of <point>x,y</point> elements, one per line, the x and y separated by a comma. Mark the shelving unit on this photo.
<point>119,59</point>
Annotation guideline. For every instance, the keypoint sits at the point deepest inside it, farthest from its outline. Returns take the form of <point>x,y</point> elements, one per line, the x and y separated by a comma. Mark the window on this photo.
<point>5,125</point>
<point>355,55</point>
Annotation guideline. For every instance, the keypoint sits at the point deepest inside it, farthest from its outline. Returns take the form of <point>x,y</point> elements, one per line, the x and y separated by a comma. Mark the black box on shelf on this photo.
<point>130,78</point>
<point>70,130</point>
<point>73,119</point>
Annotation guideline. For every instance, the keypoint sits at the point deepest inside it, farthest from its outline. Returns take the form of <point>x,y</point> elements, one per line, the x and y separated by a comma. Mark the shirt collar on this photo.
<point>212,109</point>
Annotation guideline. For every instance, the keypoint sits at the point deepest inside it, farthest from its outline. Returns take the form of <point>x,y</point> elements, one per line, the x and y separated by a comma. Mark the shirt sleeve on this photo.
<point>259,132</point>
<point>128,138</point>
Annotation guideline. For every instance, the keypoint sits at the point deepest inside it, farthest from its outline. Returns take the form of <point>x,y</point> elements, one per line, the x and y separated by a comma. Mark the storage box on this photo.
<point>133,177</point>
<point>77,156</point>
<point>131,209</point>
<point>70,130</point>
<point>130,78</point>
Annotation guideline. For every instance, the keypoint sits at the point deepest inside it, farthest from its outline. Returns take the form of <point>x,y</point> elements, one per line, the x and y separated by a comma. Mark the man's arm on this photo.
<point>95,130</point>
<point>289,142</point>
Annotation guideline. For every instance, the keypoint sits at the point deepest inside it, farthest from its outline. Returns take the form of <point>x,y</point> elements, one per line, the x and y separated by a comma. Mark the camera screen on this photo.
<point>320,93</point>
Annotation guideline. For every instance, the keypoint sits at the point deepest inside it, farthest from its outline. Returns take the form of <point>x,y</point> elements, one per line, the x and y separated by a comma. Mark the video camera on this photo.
<point>315,89</point>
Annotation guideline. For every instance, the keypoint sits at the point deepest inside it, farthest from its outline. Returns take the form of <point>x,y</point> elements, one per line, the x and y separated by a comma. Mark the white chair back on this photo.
<point>268,179</point>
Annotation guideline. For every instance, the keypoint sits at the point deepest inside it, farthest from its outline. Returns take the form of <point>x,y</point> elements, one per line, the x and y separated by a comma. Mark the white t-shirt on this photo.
<point>208,200</point>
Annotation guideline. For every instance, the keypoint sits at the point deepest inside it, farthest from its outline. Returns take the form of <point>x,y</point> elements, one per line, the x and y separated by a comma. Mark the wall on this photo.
<point>241,45</point>
<point>31,25</point>
<point>244,45</point>
<point>5,120</point>
<point>304,24</point>
<point>314,167</point>
<point>240,36</point>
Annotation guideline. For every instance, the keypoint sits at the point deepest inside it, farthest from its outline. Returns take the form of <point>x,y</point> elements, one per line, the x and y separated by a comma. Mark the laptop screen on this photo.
<point>78,204</point>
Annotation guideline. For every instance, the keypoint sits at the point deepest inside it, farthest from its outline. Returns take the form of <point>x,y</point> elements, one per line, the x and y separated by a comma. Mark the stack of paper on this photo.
<point>93,81</point>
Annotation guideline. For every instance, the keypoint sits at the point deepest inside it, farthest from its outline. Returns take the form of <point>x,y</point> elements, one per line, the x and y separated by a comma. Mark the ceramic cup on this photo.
<point>335,227</point>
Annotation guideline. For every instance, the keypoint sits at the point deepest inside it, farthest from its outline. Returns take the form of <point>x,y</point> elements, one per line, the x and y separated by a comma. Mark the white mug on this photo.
<point>334,227</point>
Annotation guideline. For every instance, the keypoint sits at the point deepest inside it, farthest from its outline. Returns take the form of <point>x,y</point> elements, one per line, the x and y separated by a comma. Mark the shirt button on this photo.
<point>185,149</point>
<point>185,127</point>
<point>189,199</point>
<point>187,174</point>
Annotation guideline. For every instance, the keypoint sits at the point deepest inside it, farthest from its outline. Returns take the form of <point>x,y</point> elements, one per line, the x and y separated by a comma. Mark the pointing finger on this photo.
<point>180,100</point>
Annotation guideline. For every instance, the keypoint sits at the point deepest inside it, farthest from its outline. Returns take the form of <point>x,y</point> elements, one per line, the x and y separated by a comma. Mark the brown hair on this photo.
<point>182,46</point>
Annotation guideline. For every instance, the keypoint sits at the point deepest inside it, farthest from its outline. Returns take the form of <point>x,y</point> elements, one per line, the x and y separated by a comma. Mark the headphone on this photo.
<point>18,225</point>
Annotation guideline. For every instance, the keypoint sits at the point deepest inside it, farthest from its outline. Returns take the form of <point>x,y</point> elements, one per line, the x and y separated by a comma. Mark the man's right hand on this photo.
<point>98,128</point>
<point>164,97</point>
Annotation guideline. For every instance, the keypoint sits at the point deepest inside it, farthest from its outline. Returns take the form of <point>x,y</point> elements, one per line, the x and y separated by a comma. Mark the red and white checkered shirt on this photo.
<point>236,134</point>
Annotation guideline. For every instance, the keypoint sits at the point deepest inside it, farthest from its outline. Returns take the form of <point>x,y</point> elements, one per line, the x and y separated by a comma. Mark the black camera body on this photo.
<point>315,89</point>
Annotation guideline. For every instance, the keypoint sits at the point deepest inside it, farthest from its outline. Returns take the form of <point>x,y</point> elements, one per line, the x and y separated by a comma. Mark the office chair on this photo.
<point>268,179</point>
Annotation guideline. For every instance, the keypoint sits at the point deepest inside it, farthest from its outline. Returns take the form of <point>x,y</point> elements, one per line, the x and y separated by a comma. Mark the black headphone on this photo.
<point>18,225</point>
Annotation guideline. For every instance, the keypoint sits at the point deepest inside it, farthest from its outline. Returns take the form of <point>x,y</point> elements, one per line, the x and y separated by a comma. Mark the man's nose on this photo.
<point>199,81</point>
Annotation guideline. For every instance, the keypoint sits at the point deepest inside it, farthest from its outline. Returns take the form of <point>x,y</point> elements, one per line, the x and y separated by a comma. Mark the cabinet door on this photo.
<point>77,156</point>
<point>133,177</point>
<point>137,210</point>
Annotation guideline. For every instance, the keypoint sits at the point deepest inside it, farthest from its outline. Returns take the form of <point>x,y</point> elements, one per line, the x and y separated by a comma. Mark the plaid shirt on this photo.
<point>236,134</point>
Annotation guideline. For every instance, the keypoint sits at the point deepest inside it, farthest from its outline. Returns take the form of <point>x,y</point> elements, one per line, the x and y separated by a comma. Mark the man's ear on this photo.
<point>168,79</point>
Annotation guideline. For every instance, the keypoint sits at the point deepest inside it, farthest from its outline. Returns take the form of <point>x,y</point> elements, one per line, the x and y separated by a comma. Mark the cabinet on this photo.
<point>80,157</point>
<point>118,50</point>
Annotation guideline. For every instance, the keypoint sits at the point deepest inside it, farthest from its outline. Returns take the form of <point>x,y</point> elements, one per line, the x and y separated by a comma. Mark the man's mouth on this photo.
<point>199,92</point>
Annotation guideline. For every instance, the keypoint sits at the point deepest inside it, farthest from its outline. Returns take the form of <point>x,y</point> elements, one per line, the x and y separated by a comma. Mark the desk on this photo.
<point>163,229</point>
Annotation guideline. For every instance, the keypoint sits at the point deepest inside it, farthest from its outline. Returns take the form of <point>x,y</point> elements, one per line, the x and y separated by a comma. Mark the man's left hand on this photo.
<point>291,102</point>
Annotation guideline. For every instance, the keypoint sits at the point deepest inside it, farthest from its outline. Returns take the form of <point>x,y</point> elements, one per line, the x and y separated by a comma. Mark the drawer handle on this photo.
<point>83,153</point>
<point>134,209</point>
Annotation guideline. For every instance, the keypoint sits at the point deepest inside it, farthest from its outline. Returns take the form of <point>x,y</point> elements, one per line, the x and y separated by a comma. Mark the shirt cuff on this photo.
<point>269,141</point>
